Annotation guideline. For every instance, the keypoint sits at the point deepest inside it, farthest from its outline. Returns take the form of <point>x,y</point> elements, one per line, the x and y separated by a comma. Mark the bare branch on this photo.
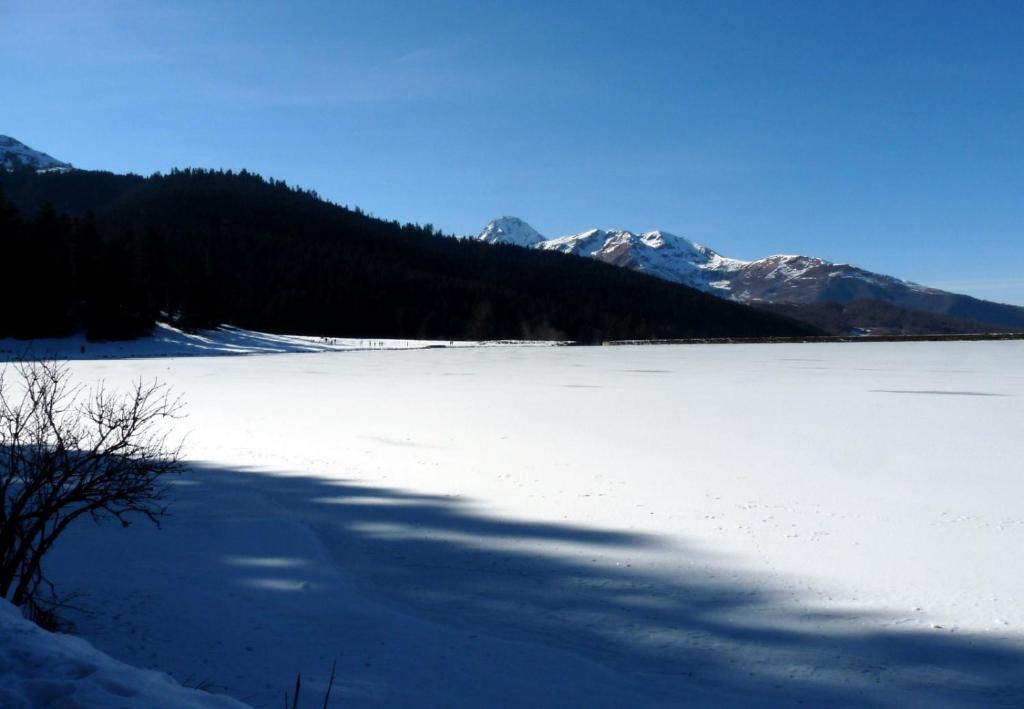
<point>67,451</point>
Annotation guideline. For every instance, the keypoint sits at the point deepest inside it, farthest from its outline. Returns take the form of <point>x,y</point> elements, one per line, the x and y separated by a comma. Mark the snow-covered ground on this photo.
<point>41,669</point>
<point>168,341</point>
<point>831,524</point>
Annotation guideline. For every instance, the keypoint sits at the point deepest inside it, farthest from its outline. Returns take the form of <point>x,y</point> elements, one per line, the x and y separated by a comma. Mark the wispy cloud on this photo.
<point>162,51</point>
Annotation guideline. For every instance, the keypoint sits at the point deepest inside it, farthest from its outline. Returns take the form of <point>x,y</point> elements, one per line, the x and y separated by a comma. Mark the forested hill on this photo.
<point>113,253</point>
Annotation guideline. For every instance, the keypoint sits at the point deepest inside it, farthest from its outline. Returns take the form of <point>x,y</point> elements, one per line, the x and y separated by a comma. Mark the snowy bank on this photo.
<point>41,669</point>
<point>168,341</point>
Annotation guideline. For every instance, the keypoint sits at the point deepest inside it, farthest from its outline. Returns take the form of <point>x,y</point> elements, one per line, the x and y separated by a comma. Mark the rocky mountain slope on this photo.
<point>15,155</point>
<point>791,279</point>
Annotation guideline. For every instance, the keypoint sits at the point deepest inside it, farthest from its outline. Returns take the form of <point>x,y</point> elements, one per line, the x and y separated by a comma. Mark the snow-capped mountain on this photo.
<point>510,230</point>
<point>791,279</point>
<point>16,155</point>
<point>773,279</point>
<point>657,253</point>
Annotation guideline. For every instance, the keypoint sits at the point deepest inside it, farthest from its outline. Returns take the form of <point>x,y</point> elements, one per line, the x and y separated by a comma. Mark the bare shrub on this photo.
<point>69,451</point>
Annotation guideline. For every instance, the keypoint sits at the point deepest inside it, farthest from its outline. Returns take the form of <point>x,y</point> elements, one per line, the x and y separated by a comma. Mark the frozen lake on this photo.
<point>628,526</point>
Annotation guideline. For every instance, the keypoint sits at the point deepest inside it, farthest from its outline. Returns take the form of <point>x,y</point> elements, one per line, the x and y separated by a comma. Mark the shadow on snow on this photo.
<point>712,638</point>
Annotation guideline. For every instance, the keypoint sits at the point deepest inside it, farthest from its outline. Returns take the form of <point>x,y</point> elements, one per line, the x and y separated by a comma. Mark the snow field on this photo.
<point>759,525</point>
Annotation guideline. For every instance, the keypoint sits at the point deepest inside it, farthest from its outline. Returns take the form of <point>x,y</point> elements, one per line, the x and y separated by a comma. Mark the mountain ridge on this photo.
<point>200,248</point>
<point>15,155</point>
<point>777,279</point>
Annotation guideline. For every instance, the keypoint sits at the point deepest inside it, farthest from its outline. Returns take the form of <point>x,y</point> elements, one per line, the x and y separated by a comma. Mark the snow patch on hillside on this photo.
<point>15,154</point>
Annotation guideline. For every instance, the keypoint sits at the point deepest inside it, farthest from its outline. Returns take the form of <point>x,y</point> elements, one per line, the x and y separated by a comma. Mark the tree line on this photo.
<point>111,254</point>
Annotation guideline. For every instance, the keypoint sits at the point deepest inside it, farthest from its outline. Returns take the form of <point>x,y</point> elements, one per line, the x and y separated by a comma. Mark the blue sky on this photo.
<point>885,134</point>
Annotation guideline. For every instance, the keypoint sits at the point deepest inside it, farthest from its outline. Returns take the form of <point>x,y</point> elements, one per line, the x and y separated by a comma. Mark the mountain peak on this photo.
<point>510,230</point>
<point>598,242</point>
<point>780,278</point>
<point>16,155</point>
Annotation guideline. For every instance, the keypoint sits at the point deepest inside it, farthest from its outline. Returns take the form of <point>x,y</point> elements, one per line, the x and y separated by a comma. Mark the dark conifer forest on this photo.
<point>881,319</point>
<point>112,254</point>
